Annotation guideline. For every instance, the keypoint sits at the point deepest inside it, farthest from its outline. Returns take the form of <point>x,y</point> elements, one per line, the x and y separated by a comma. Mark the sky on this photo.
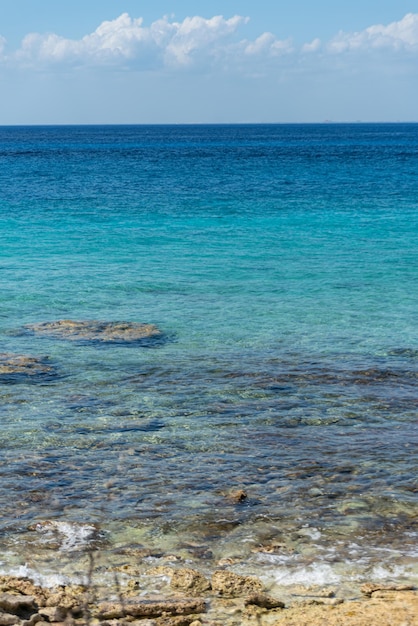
<point>208,61</point>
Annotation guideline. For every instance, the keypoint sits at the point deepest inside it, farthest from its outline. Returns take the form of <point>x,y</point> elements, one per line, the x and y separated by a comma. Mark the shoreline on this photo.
<point>188,598</point>
<point>231,580</point>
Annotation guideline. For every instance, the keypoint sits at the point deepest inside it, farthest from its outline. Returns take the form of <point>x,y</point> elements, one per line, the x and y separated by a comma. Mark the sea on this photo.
<point>272,429</point>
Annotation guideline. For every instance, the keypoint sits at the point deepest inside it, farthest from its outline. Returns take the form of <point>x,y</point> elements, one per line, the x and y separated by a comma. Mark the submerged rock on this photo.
<point>16,366</point>
<point>97,331</point>
<point>237,495</point>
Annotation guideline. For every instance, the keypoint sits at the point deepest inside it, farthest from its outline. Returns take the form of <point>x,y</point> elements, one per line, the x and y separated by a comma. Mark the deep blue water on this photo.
<point>280,264</point>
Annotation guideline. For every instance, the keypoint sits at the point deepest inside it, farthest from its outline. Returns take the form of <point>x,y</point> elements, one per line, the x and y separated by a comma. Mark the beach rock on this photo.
<point>7,619</point>
<point>97,331</point>
<point>160,570</point>
<point>33,619</point>
<point>13,366</point>
<point>401,611</point>
<point>150,608</point>
<point>232,585</point>
<point>67,599</point>
<point>23,586</point>
<point>369,589</point>
<point>17,604</point>
<point>264,601</point>
<point>189,580</point>
<point>54,613</point>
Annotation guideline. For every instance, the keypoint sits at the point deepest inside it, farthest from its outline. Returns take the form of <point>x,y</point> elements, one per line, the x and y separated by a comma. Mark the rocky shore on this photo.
<point>224,599</point>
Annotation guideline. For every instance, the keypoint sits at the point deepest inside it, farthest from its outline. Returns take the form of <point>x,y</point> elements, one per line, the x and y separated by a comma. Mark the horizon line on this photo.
<point>322,123</point>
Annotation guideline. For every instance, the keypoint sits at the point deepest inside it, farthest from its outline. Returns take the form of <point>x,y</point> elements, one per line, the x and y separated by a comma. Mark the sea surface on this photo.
<point>273,430</point>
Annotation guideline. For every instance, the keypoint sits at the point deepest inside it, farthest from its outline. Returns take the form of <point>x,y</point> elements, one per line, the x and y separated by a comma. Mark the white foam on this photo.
<point>319,574</point>
<point>49,580</point>
<point>274,559</point>
<point>69,535</point>
<point>380,572</point>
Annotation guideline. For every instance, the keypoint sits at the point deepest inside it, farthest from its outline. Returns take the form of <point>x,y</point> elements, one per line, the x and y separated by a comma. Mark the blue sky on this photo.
<point>126,61</point>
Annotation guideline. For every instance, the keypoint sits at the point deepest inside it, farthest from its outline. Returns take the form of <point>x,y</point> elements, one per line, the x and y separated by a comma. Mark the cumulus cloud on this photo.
<point>267,45</point>
<point>197,42</point>
<point>397,35</point>
<point>126,40</point>
<point>197,33</point>
<point>313,46</point>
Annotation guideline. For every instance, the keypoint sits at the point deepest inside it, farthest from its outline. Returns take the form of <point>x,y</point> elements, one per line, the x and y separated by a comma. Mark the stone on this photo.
<point>23,586</point>
<point>7,619</point>
<point>370,588</point>
<point>17,604</point>
<point>189,580</point>
<point>264,601</point>
<point>232,585</point>
<point>150,608</point>
<point>65,601</point>
<point>54,613</point>
<point>97,331</point>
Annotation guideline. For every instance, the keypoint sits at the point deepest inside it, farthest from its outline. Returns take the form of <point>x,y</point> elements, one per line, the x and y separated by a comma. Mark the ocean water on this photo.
<point>280,264</point>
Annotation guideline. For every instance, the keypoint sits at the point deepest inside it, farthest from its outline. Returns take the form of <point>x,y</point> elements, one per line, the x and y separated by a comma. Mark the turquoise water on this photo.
<point>280,263</point>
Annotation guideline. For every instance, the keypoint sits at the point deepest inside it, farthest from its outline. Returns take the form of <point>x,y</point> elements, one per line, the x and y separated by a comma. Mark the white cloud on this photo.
<point>126,40</point>
<point>397,36</point>
<point>314,46</point>
<point>197,33</point>
<point>2,45</point>
<point>267,44</point>
<point>198,42</point>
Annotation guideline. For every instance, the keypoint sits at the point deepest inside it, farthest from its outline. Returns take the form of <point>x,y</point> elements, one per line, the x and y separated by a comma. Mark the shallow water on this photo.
<point>280,263</point>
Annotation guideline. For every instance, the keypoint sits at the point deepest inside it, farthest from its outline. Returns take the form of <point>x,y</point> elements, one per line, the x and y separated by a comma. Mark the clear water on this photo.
<point>280,262</point>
